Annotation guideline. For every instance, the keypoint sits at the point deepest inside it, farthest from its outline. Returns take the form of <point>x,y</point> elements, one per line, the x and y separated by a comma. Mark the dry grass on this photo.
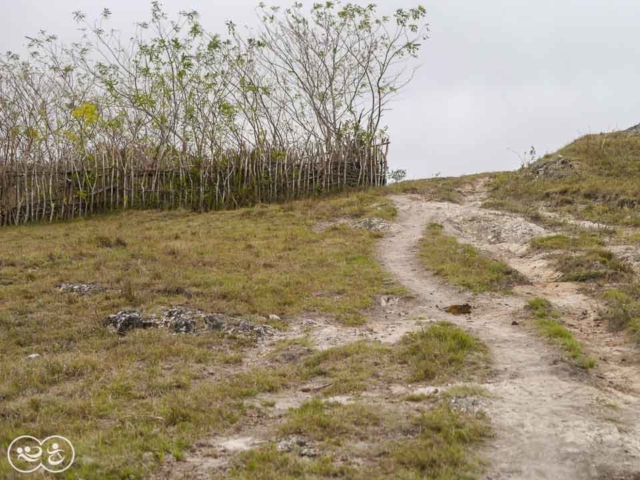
<point>331,422</point>
<point>268,463</point>
<point>439,353</point>
<point>352,368</point>
<point>450,393</point>
<point>599,264</point>
<point>361,441</point>
<point>118,398</point>
<point>603,188</point>
<point>152,391</point>
<point>586,241</point>
<point>441,449</point>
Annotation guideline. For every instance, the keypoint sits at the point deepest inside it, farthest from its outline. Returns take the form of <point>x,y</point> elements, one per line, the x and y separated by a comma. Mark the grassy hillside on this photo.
<point>135,402</point>
<point>595,178</point>
<point>131,401</point>
<point>62,371</point>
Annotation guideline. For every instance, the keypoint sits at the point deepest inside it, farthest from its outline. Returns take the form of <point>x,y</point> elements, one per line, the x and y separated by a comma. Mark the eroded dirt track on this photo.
<point>551,420</point>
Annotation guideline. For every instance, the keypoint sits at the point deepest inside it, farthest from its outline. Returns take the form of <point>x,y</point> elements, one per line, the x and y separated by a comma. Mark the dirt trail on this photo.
<point>551,421</point>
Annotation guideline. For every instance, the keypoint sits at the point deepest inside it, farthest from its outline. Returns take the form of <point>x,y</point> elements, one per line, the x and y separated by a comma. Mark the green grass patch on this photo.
<point>443,352</point>
<point>418,397</point>
<point>440,353</point>
<point>627,237</point>
<point>547,321</point>
<point>600,264</point>
<point>463,265</point>
<point>268,463</point>
<point>441,450</point>
<point>291,350</point>
<point>464,391</point>
<point>351,368</point>
<point>456,391</point>
<point>373,443</point>
<point>633,238</point>
<point>331,422</point>
<point>565,242</point>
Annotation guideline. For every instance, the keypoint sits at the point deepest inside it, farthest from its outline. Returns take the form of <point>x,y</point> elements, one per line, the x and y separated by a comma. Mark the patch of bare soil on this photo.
<point>551,420</point>
<point>389,321</point>
<point>627,253</point>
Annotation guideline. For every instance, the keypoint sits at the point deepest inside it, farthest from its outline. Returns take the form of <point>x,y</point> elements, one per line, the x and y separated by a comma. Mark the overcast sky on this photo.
<point>495,76</point>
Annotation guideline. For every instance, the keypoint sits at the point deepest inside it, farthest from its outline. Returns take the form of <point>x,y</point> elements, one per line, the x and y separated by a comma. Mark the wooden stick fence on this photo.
<point>46,191</point>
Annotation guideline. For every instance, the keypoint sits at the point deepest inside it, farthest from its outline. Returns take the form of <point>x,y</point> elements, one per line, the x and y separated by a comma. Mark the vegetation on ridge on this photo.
<point>594,178</point>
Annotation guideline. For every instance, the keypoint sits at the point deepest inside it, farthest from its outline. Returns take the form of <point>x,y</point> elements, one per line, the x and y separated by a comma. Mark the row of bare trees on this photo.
<point>176,116</point>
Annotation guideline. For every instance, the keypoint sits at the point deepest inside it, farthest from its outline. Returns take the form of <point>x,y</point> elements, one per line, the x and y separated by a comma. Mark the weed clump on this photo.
<point>565,242</point>
<point>269,463</point>
<point>442,352</point>
<point>350,368</point>
<point>440,451</point>
<point>600,264</point>
<point>330,421</point>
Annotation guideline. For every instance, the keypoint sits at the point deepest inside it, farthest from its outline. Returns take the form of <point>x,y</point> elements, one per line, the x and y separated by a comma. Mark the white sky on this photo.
<point>495,75</point>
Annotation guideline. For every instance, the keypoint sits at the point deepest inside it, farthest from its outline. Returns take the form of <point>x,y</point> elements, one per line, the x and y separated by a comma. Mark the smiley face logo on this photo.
<point>55,454</point>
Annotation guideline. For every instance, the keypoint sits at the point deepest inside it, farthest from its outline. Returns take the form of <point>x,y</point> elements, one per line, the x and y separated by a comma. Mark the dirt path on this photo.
<point>551,421</point>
